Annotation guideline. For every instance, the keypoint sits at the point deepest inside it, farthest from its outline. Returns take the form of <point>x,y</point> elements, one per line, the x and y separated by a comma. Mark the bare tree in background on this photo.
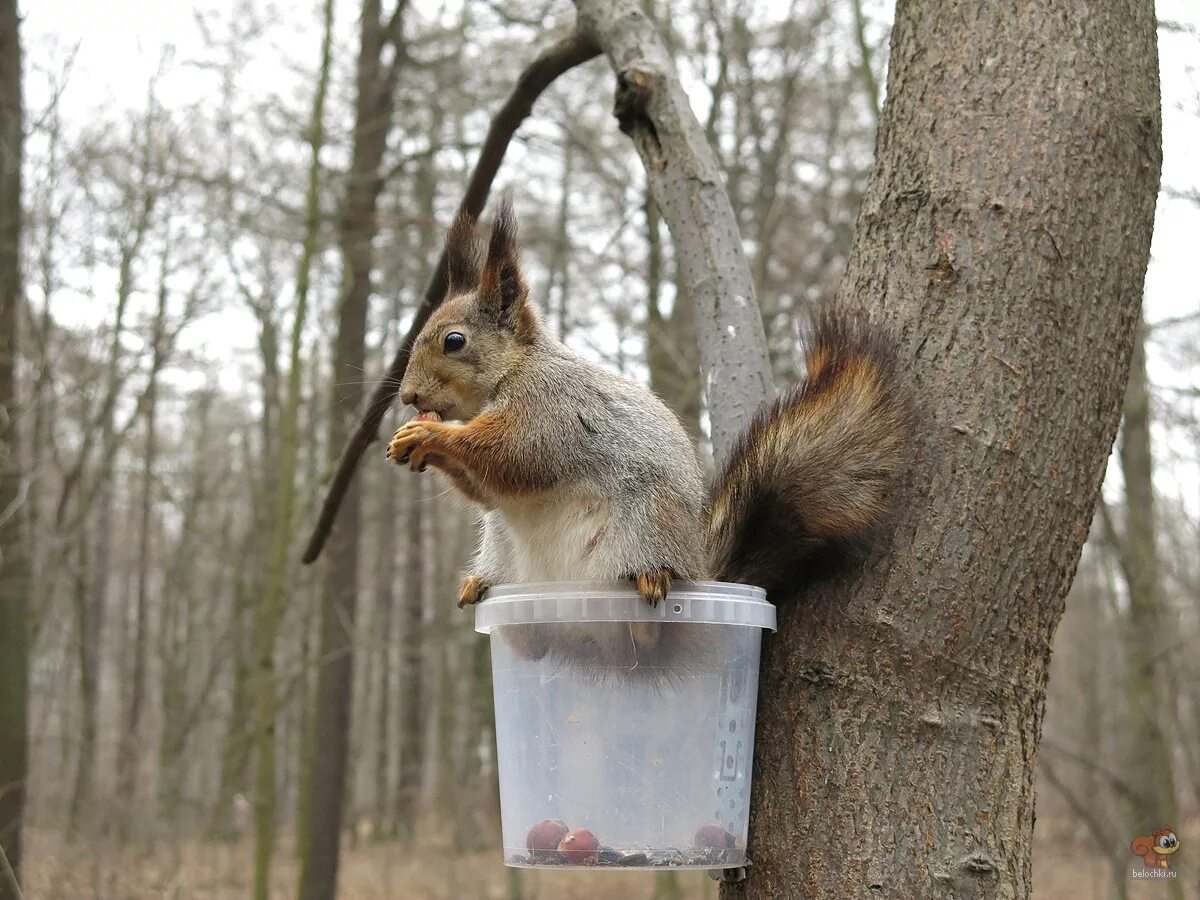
<point>270,609</point>
<point>15,630</point>
<point>376,83</point>
<point>1149,763</point>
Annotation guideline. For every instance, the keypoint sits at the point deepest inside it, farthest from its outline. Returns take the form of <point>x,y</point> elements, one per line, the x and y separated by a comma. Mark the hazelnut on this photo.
<point>544,837</point>
<point>714,837</point>
<point>579,847</point>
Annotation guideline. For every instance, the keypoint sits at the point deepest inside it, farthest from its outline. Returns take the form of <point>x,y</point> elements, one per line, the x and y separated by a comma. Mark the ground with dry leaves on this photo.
<point>1064,867</point>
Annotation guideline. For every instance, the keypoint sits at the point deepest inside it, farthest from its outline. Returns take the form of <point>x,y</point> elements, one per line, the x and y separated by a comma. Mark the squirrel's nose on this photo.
<point>408,398</point>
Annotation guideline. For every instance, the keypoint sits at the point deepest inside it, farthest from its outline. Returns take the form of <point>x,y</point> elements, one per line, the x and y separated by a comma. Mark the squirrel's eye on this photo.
<point>1164,841</point>
<point>455,340</point>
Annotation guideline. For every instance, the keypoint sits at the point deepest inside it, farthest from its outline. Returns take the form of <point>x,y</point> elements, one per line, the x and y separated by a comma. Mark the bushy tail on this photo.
<point>810,479</point>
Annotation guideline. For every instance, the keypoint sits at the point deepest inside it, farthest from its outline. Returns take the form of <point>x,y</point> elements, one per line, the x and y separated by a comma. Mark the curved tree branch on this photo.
<point>689,191</point>
<point>539,75</point>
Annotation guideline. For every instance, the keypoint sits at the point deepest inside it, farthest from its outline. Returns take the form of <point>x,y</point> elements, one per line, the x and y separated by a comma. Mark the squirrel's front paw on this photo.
<point>411,443</point>
<point>653,585</point>
<point>471,590</point>
<point>393,450</point>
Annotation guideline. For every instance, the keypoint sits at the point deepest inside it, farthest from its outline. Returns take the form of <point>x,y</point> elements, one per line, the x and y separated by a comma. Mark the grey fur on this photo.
<point>607,443</point>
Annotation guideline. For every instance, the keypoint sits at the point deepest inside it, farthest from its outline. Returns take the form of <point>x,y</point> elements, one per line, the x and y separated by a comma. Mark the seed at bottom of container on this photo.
<point>543,839</point>
<point>719,859</point>
<point>668,856</point>
<point>609,857</point>
<point>634,859</point>
<point>714,837</point>
<point>579,847</point>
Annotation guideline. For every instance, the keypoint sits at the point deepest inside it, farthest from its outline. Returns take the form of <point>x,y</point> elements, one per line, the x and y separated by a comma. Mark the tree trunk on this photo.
<point>1148,629</point>
<point>92,595</point>
<point>385,598</point>
<point>558,291</point>
<point>410,714</point>
<point>385,602</point>
<point>1005,235</point>
<point>14,559</point>
<point>445,531</point>
<point>269,612</point>
<point>235,752</point>
<point>87,645</point>
<point>672,354</point>
<point>373,115</point>
<point>306,711</point>
<point>177,652</point>
<point>129,753</point>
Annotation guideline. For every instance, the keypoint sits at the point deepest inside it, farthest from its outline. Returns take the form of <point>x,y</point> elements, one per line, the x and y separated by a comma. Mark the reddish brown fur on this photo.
<point>471,590</point>
<point>813,472</point>
<point>483,447</point>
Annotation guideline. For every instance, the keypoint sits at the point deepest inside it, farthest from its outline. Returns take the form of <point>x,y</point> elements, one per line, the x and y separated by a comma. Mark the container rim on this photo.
<point>696,602</point>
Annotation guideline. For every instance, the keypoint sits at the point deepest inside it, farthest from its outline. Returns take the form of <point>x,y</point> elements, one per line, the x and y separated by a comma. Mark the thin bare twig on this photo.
<point>1084,811</point>
<point>1118,784</point>
<point>12,876</point>
<point>539,75</point>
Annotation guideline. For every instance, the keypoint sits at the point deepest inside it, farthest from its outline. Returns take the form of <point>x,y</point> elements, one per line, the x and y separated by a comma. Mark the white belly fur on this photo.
<point>570,540</point>
<point>561,540</point>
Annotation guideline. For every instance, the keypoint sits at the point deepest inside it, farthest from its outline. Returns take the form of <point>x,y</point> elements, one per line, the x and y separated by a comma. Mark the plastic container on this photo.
<point>632,723</point>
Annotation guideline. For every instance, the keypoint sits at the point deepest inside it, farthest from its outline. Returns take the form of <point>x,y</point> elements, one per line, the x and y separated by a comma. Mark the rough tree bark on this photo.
<point>1005,235</point>
<point>14,559</point>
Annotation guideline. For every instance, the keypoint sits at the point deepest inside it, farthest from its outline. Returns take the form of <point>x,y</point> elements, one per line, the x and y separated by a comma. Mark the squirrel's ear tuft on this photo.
<point>464,257</point>
<point>503,282</point>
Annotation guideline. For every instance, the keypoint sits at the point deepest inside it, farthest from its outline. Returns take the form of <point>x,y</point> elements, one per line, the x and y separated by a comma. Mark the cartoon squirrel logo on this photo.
<point>1156,848</point>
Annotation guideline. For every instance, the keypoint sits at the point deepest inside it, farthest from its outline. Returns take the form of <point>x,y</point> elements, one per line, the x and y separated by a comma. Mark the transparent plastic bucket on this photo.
<point>624,733</point>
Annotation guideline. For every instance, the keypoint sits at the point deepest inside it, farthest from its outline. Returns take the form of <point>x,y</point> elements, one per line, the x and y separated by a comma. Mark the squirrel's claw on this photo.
<point>415,458</point>
<point>397,452</point>
<point>653,585</point>
<point>410,445</point>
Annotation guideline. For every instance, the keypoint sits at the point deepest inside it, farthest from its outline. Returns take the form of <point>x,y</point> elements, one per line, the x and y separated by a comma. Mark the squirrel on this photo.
<point>1156,848</point>
<point>582,474</point>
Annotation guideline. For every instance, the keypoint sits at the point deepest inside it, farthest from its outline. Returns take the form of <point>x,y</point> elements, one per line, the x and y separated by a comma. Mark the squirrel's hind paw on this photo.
<point>653,585</point>
<point>471,590</point>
